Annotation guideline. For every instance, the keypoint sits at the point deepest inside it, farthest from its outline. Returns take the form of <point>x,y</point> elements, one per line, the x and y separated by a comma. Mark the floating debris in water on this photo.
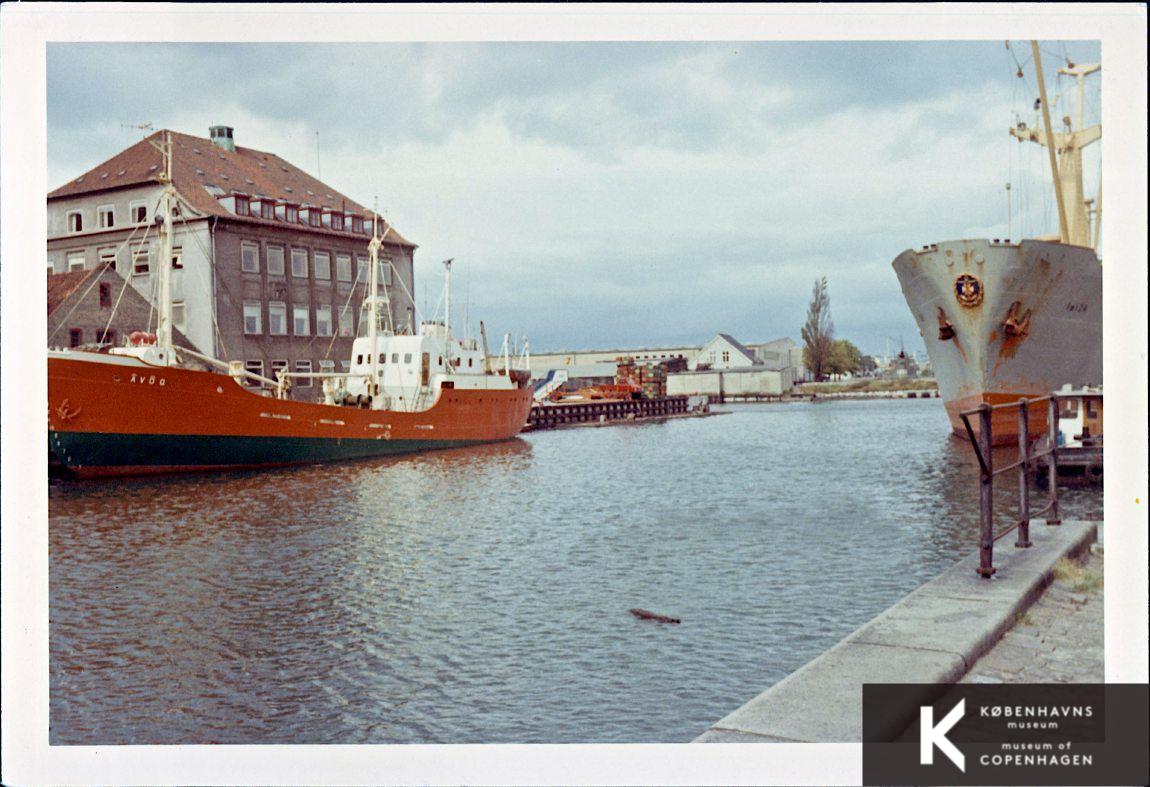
<point>644,614</point>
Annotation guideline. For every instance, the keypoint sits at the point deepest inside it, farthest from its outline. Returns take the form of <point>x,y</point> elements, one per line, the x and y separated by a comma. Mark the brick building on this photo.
<point>81,305</point>
<point>269,264</point>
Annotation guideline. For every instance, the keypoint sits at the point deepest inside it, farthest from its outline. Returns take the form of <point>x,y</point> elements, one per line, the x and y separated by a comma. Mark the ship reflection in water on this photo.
<point>481,595</point>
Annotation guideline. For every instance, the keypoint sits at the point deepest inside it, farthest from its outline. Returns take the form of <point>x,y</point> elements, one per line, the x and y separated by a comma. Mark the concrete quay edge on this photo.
<point>933,637</point>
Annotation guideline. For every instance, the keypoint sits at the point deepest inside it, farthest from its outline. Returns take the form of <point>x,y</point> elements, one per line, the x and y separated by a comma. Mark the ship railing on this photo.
<point>982,443</point>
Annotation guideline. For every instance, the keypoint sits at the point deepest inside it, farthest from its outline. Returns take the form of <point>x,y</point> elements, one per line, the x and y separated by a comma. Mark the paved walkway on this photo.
<point>1059,639</point>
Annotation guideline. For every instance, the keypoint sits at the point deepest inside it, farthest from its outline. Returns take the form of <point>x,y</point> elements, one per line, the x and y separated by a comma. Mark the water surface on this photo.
<point>481,595</point>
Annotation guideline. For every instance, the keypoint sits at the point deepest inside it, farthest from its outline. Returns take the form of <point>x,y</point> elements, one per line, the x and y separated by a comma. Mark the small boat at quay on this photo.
<point>139,410</point>
<point>1005,320</point>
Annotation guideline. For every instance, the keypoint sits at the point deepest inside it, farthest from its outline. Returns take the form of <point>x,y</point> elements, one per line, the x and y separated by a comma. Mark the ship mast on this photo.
<point>1073,220</point>
<point>373,299</point>
<point>164,325</point>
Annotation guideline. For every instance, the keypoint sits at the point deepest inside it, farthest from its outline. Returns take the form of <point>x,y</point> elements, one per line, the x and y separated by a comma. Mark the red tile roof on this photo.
<point>197,162</point>
<point>62,285</point>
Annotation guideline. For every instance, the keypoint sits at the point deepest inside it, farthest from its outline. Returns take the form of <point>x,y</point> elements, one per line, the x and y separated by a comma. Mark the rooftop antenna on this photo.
<point>137,126</point>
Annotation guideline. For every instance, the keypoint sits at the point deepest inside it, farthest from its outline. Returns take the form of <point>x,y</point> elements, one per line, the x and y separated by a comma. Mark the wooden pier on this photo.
<point>604,411</point>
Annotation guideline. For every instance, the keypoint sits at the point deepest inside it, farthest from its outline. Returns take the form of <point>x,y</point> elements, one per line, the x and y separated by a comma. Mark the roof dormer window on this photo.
<point>337,221</point>
<point>243,205</point>
<point>291,214</point>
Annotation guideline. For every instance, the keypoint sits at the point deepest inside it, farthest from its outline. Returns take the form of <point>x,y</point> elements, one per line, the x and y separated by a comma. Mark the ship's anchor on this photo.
<point>1016,323</point>
<point>945,329</point>
<point>65,413</point>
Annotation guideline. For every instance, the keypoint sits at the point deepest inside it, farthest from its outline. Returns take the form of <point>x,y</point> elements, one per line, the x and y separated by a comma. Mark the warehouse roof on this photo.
<point>202,172</point>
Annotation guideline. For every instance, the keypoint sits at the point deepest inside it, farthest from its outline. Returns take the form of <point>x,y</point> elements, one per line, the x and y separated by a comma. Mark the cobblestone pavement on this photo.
<point>1059,639</point>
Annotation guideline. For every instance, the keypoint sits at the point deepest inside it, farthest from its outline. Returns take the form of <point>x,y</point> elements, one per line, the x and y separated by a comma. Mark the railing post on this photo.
<point>985,495</point>
<point>1052,518</point>
<point>1023,474</point>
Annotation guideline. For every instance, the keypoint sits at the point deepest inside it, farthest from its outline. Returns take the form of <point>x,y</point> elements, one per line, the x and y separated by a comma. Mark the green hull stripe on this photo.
<point>92,450</point>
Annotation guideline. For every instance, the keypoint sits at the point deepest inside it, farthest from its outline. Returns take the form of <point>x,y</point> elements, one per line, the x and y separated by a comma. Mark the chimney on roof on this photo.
<point>223,137</point>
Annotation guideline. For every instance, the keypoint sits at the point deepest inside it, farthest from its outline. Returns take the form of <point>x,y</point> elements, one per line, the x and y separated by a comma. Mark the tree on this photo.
<point>818,332</point>
<point>868,365</point>
<point>845,358</point>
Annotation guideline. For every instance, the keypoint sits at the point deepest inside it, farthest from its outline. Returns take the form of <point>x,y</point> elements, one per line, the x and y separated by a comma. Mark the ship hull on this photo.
<point>111,417</point>
<point>1005,321</point>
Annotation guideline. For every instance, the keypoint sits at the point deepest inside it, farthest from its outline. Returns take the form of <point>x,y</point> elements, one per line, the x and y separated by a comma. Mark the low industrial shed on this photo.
<point>745,381</point>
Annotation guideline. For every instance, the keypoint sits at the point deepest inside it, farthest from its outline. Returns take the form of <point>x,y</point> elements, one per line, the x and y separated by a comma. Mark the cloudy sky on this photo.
<point>618,194</point>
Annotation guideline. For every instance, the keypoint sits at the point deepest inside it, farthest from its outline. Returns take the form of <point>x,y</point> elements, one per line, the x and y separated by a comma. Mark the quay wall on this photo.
<point>933,637</point>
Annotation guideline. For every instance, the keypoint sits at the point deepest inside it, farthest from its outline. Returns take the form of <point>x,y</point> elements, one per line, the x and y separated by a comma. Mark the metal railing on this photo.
<point>983,444</point>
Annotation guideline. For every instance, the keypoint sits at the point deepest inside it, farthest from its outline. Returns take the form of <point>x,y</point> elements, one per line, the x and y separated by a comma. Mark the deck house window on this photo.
<point>105,216</point>
<point>243,206</point>
<point>277,318</point>
<point>299,263</point>
<point>346,323</point>
<point>75,337</point>
<point>75,221</point>
<point>138,212</point>
<point>322,265</point>
<point>275,260</point>
<point>343,267</point>
<point>250,257</point>
<point>141,261</point>
<point>301,321</point>
<point>107,259</point>
<point>253,367</point>
<point>252,314</point>
<point>303,367</point>
<point>323,321</point>
<point>179,315</point>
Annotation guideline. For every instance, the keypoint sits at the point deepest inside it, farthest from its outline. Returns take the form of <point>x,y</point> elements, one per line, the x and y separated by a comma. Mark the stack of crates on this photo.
<point>651,376</point>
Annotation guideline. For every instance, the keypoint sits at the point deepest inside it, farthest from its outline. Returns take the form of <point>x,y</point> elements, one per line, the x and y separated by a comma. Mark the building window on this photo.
<point>107,259</point>
<point>105,216</point>
<point>250,257</point>
<point>252,322</point>
<point>322,265</point>
<point>75,337</point>
<point>141,261</point>
<point>77,260</point>
<point>726,356</point>
<point>301,321</point>
<point>385,272</point>
<point>344,366</point>
<point>346,323</point>
<point>299,263</point>
<point>337,221</point>
<point>267,209</point>
<point>75,221</point>
<point>343,267</point>
<point>177,258</point>
<point>179,315</point>
<point>291,213</point>
<point>105,295</point>
<point>138,212</point>
<point>275,260</point>
<point>315,217</point>
<point>357,224</point>
<point>327,367</point>
<point>253,367</point>
<point>303,367</point>
<point>277,318</point>
<point>361,269</point>
<point>278,366</point>
<point>323,321</point>
<point>243,206</point>
<point>106,337</point>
